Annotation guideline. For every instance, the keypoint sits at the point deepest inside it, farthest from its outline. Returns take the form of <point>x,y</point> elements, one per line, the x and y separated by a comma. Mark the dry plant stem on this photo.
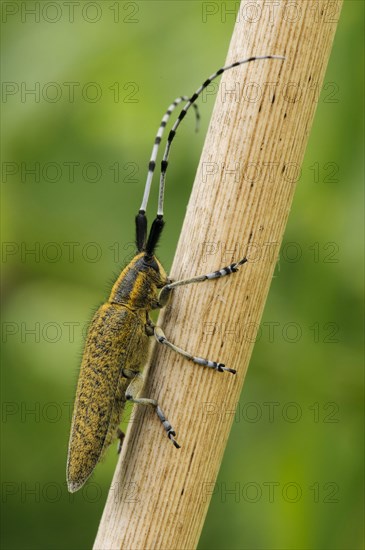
<point>159,495</point>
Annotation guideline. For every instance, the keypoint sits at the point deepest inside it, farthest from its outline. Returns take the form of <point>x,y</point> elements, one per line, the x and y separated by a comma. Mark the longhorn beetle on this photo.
<point>117,342</point>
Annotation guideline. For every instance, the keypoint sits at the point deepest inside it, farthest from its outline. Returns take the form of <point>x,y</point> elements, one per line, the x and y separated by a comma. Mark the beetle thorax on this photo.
<point>137,287</point>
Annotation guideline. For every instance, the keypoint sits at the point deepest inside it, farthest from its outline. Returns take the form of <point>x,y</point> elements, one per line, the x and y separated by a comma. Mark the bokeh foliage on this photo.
<point>298,425</point>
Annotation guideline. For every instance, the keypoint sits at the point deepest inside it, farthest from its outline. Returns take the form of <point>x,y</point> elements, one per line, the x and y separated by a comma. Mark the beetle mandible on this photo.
<point>117,342</point>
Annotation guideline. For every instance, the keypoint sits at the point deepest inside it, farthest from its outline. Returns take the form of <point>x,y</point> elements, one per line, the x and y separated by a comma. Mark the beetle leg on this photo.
<point>149,326</point>
<point>228,270</point>
<point>161,338</point>
<point>131,395</point>
<point>120,436</point>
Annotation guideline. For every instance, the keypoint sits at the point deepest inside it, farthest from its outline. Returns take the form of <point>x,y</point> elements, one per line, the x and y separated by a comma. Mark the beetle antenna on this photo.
<point>154,235</point>
<point>193,98</point>
<point>141,220</point>
<point>141,230</point>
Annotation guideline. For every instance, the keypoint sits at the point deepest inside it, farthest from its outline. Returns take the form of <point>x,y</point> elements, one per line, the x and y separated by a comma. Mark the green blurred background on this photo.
<point>292,473</point>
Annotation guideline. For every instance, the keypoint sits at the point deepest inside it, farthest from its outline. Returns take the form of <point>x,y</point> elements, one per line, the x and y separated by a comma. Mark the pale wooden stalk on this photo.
<point>158,498</point>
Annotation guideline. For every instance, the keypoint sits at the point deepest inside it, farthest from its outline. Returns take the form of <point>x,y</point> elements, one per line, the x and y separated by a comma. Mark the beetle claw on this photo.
<point>170,435</point>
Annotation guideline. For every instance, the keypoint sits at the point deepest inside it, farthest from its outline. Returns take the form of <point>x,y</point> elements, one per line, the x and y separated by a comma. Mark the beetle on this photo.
<point>117,342</point>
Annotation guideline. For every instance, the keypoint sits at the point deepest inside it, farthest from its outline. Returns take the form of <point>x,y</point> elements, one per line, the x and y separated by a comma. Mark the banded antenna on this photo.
<point>158,223</point>
<point>141,220</point>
